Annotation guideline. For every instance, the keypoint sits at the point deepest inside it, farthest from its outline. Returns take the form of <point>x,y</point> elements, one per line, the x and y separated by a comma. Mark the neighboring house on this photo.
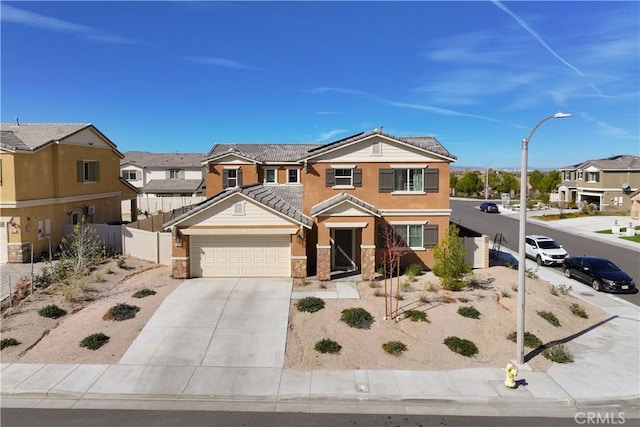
<point>635,204</point>
<point>295,210</point>
<point>164,174</point>
<point>607,183</point>
<point>55,174</point>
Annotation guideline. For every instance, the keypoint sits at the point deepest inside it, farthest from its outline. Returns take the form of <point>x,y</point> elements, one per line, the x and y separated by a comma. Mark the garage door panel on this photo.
<point>236,256</point>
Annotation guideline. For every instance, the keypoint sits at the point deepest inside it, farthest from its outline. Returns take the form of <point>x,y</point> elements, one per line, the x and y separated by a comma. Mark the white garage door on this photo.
<point>235,256</point>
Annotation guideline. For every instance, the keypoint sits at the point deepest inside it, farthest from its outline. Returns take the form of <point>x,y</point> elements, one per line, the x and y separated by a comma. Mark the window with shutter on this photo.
<point>430,235</point>
<point>431,180</point>
<point>385,180</point>
<point>88,171</point>
<point>329,178</point>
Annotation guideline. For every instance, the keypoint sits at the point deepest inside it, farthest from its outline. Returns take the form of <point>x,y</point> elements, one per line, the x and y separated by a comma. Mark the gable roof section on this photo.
<point>162,160</point>
<point>340,198</point>
<point>619,162</point>
<point>425,143</point>
<point>259,193</point>
<point>172,186</point>
<point>29,137</point>
<point>261,153</point>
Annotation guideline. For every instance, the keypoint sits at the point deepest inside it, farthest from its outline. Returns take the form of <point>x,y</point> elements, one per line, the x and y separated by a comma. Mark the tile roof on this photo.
<point>163,160</point>
<point>172,186</point>
<point>266,153</point>
<point>31,136</point>
<point>263,152</point>
<point>622,161</point>
<point>266,195</point>
<point>339,198</point>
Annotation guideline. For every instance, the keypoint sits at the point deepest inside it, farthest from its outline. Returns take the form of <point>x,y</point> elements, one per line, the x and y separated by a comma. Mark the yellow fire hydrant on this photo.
<point>512,373</point>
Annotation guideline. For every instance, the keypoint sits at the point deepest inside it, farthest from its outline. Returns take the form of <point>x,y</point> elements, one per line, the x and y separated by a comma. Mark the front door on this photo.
<point>342,250</point>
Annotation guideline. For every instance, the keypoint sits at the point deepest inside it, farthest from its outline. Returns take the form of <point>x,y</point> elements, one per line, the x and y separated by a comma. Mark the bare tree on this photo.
<point>394,248</point>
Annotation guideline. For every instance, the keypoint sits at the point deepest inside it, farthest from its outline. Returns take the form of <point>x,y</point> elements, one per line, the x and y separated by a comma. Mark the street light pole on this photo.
<point>486,182</point>
<point>522,256</point>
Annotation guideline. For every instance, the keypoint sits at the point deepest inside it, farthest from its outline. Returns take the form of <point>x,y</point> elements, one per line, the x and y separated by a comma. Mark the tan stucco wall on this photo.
<point>214,177</point>
<point>7,189</point>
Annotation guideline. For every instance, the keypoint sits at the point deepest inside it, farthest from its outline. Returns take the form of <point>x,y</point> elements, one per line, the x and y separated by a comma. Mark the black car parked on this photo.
<point>489,207</point>
<point>600,273</point>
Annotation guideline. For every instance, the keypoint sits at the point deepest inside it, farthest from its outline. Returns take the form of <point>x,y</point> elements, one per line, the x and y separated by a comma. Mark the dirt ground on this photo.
<point>44,340</point>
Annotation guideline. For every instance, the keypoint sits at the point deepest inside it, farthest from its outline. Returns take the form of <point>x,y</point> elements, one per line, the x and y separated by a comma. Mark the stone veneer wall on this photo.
<point>368,263</point>
<point>324,264</point>
<point>180,268</point>
<point>18,252</point>
<point>299,267</point>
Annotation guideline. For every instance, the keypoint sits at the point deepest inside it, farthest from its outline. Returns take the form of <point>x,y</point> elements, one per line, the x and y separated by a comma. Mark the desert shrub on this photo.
<point>94,341</point>
<point>505,293</point>
<point>530,340</point>
<point>553,290</point>
<point>549,317</point>
<point>413,270</point>
<point>558,353</point>
<point>378,292</point>
<point>52,311</point>
<point>374,284</point>
<point>326,345</point>
<point>431,287</point>
<point>310,304</point>
<point>450,264</point>
<point>424,299</point>
<point>514,287</point>
<point>461,346</point>
<point>564,289</point>
<point>357,317</point>
<point>122,263</point>
<point>578,310</point>
<point>8,342</point>
<point>463,300</point>
<point>121,312</point>
<point>406,287</point>
<point>531,274</point>
<point>145,292</point>
<point>469,311</point>
<point>394,347</point>
<point>416,315</point>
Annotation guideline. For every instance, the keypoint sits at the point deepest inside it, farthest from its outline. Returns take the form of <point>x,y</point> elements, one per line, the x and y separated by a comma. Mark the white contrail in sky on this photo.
<point>544,44</point>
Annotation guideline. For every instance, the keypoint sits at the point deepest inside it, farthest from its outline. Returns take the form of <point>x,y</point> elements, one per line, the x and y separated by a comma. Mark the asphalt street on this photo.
<point>467,214</point>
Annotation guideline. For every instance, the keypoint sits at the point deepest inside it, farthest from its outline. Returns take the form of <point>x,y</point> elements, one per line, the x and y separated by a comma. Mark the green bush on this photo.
<point>416,315</point>
<point>394,347</point>
<point>530,340</point>
<point>310,304</point>
<point>326,345</point>
<point>8,342</point>
<point>549,317</point>
<point>143,293</point>
<point>357,318</point>
<point>558,353</point>
<point>413,270</point>
<point>461,346</point>
<point>121,263</point>
<point>121,312</point>
<point>578,310</point>
<point>51,311</point>
<point>469,311</point>
<point>94,341</point>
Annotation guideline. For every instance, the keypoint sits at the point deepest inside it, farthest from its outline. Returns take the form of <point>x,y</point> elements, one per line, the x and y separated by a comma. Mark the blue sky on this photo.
<point>180,76</point>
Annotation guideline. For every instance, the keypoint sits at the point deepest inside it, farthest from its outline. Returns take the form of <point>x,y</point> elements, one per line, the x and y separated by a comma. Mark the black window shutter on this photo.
<point>385,180</point>
<point>431,180</point>
<point>96,172</point>
<point>329,178</point>
<point>357,177</point>
<point>430,237</point>
<point>225,178</point>
<point>239,177</point>
<point>80,170</point>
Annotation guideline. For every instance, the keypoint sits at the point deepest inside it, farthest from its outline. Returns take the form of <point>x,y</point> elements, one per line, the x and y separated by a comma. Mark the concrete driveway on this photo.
<point>224,322</point>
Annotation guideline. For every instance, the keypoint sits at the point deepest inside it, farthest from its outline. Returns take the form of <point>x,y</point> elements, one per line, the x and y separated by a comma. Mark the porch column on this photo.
<point>368,262</point>
<point>298,267</point>
<point>180,267</point>
<point>324,262</point>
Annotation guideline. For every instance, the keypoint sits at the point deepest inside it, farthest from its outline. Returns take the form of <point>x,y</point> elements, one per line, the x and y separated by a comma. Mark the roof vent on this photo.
<point>625,186</point>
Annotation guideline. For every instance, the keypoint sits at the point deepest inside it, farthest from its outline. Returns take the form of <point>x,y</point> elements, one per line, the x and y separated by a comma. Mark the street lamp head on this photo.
<point>560,115</point>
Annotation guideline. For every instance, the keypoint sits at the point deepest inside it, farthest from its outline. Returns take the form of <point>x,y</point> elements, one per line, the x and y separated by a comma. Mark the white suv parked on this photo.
<point>544,250</point>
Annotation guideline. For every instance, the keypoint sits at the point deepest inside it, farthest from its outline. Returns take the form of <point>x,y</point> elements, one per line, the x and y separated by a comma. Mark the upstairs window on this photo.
<point>130,175</point>
<point>344,177</point>
<point>270,176</point>
<point>175,174</point>
<point>409,180</point>
<point>293,176</point>
<point>593,176</point>
<point>231,178</point>
<point>579,174</point>
<point>88,171</point>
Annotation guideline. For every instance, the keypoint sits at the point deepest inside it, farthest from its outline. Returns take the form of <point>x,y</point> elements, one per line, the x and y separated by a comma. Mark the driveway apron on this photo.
<point>221,322</point>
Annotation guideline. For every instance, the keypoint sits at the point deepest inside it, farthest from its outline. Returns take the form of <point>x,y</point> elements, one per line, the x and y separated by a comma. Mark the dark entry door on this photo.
<point>343,249</point>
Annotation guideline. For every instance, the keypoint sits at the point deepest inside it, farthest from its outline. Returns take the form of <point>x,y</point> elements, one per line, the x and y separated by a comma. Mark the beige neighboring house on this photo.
<point>53,174</point>
<point>607,183</point>
<point>635,204</point>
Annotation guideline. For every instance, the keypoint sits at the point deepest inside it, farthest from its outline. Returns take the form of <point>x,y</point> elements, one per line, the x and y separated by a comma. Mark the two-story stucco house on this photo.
<point>295,210</point>
<point>607,183</point>
<point>163,174</point>
<point>55,174</point>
